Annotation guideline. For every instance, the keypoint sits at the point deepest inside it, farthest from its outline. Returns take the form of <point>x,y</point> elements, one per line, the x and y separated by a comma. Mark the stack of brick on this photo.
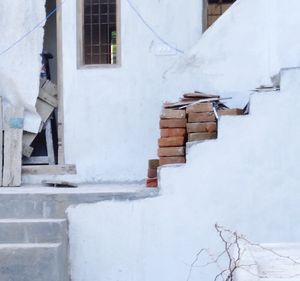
<point>202,122</point>
<point>152,173</point>
<point>172,136</point>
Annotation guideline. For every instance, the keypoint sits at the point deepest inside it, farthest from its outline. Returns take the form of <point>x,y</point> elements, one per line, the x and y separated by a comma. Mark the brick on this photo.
<point>152,173</point>
<point>153,163</point>
<point>172,141</point>
<point>152,182</point>
<point>172,123</point>
<point>200,108</point>
<point>201,136</point>
<point>173,132</point>
<point>201,117</point>
<point>209,127</point>
<point>171,151</point>
<point>171,160</point>
<point>173,114</point>
<point>230,112</point>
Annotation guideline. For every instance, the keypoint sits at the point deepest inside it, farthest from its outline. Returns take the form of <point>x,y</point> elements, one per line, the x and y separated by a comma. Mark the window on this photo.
<point>100,32</point>
<point>217,8</point>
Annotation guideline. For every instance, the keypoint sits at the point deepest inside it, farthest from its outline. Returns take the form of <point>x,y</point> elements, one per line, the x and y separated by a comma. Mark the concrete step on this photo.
<point>19,203</point>
<point>33,231</point>
<point>32,262</point>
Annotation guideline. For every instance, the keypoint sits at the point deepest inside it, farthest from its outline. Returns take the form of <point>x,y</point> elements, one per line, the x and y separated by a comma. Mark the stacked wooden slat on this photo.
<point>192,118</point>
<point>202,123</point>
<point>172,136</point>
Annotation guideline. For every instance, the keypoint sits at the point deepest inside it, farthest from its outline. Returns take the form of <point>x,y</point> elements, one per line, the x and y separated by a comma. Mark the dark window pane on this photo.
<point>100,32</point>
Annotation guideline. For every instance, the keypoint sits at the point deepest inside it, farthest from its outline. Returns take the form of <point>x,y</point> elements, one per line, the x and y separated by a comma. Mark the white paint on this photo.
<point>270,262</point>
<point>20,67</point>
<point>111,114</point>
<point>247,180</point>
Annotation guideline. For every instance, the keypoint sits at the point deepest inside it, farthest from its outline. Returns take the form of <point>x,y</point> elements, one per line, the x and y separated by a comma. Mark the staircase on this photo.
<point>34,228</point>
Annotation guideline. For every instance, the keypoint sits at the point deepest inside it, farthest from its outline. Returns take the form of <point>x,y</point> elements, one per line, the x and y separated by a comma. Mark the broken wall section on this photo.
<point>20,66</point>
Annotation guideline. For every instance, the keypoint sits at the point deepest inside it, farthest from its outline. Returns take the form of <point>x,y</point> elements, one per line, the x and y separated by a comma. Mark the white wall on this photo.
<point>251,43</point>
<point>111,115</point>
<point>20,66</point>
<point>247,180</point>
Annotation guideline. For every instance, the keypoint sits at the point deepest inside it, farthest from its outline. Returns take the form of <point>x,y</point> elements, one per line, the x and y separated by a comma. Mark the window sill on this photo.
<point>98,66</point>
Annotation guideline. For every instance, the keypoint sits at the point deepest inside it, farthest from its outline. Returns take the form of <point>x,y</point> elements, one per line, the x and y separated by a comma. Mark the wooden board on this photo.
<point>172,114</point>
<point>201,136</point>
<point>171,151</point>
<point>171,160</point>
<point>201,117</point>
<point>13,133</point>
<point>172,123</point>
<point>200,107</point>
<point>208,127</point>
<point>49,170</point>
<point>172,141</point>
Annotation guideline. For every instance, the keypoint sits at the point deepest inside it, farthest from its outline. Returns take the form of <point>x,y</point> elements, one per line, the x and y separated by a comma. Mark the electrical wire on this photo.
<point>160,38</point>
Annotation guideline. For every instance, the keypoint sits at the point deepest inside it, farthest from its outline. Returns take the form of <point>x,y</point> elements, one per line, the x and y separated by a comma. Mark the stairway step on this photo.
<point>32,262</point>
<point>33,230</point>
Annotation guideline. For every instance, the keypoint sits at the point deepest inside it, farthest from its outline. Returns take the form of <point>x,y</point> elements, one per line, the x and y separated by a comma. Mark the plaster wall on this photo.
<point>248,45</point>
<point>111,114</point>
<point>247,180</point>
<point>20,66</point>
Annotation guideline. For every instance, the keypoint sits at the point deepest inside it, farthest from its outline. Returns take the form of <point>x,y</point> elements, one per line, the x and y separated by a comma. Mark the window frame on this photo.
<point>80,34</point>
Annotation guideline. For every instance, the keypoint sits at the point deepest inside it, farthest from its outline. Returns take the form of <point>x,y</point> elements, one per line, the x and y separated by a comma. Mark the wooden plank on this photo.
<point>152,173</point>
<point>200,107</point>
<point>1,140</point>
<point>172,141</point>
<point>49,170</point>
<point>153,164</point>
<point>201,117</point>
<point>49,143</point>
<point>171,160</point>
<point>27,150</point>
<point>172,123</point>
<point>201,136</point>
<point>171,151</point>
<point>13,132</point>
<point>231,112</point>
<point>173,114</point>
<point>43,95</point>
<point>44,109</point>
<point>208,127</point>
<point>37,160</point>
<point>173,132</point>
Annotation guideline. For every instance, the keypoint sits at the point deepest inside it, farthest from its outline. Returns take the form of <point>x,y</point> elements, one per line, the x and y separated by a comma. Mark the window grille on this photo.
<point>100,32</point>
<point>217,8</point>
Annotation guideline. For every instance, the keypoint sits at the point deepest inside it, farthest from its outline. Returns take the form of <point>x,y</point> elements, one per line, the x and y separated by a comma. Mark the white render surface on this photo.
<point>111,114</point>
<point>20,66</point>
<point>246,180</point>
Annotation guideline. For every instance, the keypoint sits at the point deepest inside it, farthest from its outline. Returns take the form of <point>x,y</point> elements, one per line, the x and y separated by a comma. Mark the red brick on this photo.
<point>173,132</point>
<point>171,160</point>
<point>173,114</point>
<point>171,151</point>
<point>200,107</point>
<point>153,164</point>
<point>152,173</point>
<point>208,127</point>
<point>201,117</point>
<point>172,141</point>
<point>202,136</point>
<point>152,182</point>
<point>172,123</point>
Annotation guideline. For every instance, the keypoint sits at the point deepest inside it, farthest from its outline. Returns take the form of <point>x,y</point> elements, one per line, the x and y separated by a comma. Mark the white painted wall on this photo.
<point>20,67</point>
<point>111,115</point>
<point>247,179</point>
